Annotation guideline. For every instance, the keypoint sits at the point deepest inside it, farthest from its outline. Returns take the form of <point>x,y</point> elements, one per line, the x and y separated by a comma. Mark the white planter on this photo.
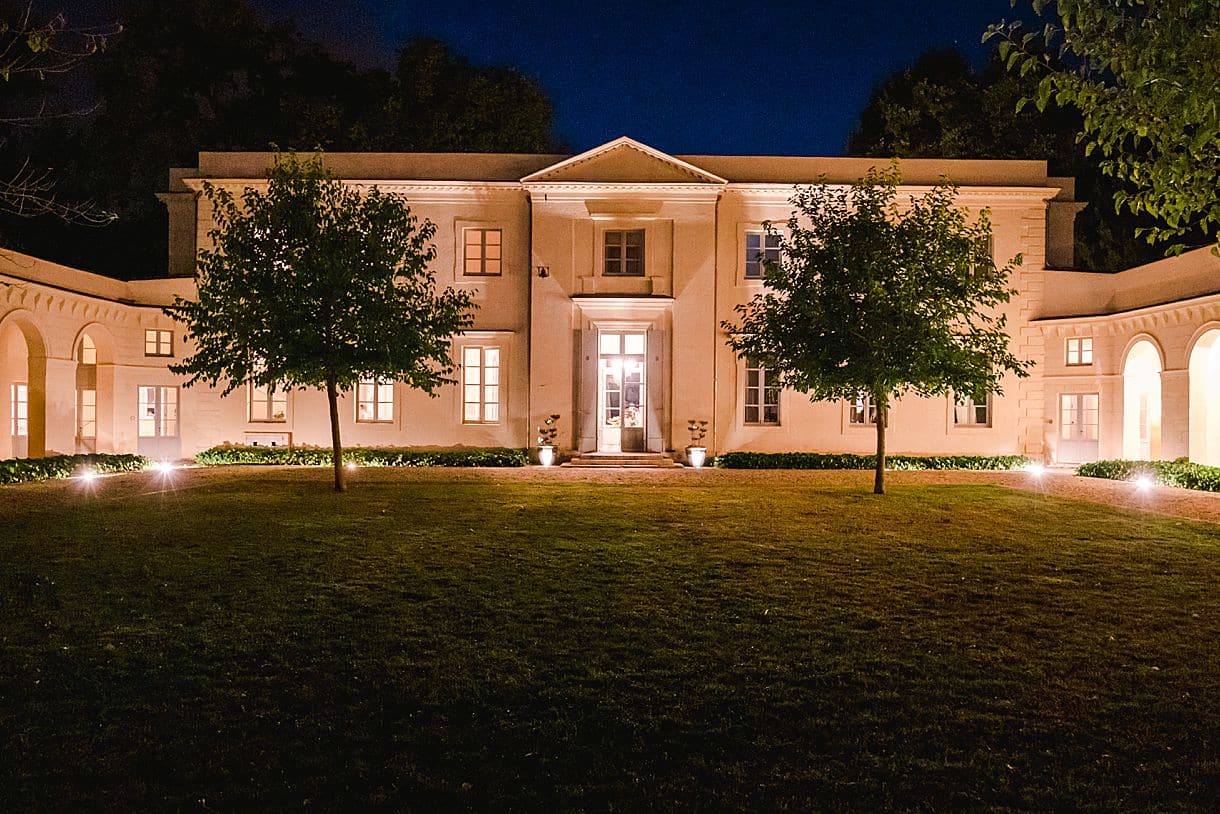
<point>546,455</point>
<point>697,456</point>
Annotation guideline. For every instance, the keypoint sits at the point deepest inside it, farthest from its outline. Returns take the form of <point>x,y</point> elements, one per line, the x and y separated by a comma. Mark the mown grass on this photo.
<point>479,641</point>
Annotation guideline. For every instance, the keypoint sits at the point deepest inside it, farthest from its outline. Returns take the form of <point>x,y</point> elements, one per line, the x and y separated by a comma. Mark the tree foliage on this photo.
<point>942,107</point>
<point>1145,75</point>
<point>317,284</point>
<point>873,298</point>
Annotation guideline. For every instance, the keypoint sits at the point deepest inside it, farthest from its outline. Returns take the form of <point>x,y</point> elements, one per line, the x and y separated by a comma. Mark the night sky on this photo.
<point>711,77</point>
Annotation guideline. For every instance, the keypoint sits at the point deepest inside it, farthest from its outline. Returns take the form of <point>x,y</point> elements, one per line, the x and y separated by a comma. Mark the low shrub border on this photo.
<point>363,456</point>
<point>25,470</point>
<point>818,460</point>
<point>1181,473</point>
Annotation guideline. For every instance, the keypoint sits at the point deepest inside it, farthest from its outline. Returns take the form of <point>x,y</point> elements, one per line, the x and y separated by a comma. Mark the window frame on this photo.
<point>972,408</point>
<point>377,383</point>
<point>83,410</point>
<point>481,386</point>
<point>19,418</point>
<point>1079,413</point>
<point>862,405</point>
<point>267,400</point>
<point>759,262</point>
<point>1079,351</point>
<point>153,339</point>
<point>482,259</point>
<point>622,260</point>
<point>161,417</point>
<point>755,396</point>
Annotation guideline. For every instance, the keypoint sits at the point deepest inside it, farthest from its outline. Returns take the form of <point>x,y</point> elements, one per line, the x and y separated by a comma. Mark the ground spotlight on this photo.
<point>163,467</point>
<point>86,476</point>
<point>1036,469</point>
<point>1144,483</point>
<point>351,464</point>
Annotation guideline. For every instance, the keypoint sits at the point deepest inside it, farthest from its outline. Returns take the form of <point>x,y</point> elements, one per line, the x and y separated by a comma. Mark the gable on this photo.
<point>623,161</point>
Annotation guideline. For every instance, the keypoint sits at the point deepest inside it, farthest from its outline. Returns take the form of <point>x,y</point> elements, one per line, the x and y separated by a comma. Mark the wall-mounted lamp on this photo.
<point>544,272</point>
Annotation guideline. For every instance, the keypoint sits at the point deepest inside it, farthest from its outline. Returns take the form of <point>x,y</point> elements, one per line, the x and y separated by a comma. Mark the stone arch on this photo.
<point>23,386</point>
<point>1204,373</point>
<point>1143,363</point>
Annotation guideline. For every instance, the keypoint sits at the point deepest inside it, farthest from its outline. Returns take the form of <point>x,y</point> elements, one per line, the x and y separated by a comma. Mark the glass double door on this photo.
<point>621,376</point>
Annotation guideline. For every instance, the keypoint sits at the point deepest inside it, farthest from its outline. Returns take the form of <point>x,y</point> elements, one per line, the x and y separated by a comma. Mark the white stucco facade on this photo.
<point>602,281</point>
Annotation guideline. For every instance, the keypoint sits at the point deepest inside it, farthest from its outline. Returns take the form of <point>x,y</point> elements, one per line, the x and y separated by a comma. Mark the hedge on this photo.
<point>364,456</point>
<point>24,470</point>
<point>1180,473</point>
<point>818,460</point>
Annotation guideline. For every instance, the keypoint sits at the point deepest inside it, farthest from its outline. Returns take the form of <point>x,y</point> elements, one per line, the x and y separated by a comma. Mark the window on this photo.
<point>862,412</point>
<point>375,401</point>
<point>86,352</point>
<point>762,395</point>
<point>86,414</point>
<point>482,254</point>
<point>480,385</point>
<point>19,411</point>
<point>268,403</point>
<point>158,343</point>
<point>625,253</point>
<point>158,415</point>
<point>1078,416</point>
<point>761,248</point>
<point>1080,350</point>
<point>970,413</point>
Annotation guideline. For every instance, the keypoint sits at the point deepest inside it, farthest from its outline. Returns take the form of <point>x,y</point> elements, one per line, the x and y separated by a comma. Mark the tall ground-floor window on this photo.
<point>762,395</point>
<point>19,410</point>
<point>1078,433</point>
<point>862,412</point>
<point>970,413</point>
<point>86,415</point>
<point>158,412</point>
<point>375,401</point>
<point>268,403</point>
<point>480,385</point>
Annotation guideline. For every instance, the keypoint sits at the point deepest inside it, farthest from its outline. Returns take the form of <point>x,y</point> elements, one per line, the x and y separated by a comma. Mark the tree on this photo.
<point>872,299</point>
<point>943,107</point>
<point>35,48</point>
<point>1145,75</point>
<point>317,284</point>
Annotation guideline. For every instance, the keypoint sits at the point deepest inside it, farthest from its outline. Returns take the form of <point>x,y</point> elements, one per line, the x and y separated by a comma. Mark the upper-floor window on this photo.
<point>375,401</point>
<point>970,413</point>
<point>624,253</point>
<point>762,395</point>
<point>158,343</point>
<point>268,403</point>
<point>482,255</point>
<point>761,248</point>
<point>862,412</point>
<point>1080,350</point>
<point>480,385</point>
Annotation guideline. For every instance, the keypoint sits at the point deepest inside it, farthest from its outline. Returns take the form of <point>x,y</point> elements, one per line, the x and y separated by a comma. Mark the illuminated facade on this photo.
<point>602,281</point>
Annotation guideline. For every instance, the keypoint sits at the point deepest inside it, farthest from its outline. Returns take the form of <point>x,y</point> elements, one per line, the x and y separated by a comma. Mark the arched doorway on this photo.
<point>86,393</point>
<point>1142,403</point>
<point>23,373</point>
<point>1205,399</point>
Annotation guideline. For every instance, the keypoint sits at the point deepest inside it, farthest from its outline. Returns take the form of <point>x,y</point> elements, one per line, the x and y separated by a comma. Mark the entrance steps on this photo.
<point>622,460</point>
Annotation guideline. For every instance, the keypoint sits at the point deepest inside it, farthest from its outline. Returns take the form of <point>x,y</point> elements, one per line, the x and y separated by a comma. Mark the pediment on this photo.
<point>623,161</point>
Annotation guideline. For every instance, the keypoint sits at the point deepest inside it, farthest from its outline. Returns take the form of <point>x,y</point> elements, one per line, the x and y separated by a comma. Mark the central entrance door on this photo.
<point>620,391</point>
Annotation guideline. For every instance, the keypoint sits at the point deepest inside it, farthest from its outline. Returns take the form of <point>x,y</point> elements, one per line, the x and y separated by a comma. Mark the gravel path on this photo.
<point>1159,499</point>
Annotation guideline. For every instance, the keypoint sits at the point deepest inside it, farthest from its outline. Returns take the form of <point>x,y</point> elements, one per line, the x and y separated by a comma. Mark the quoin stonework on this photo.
<point>602,280</point>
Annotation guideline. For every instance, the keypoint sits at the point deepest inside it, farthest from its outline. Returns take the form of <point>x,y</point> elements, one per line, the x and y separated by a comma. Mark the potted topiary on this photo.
<point>696,453</point>
<point>546,440</point>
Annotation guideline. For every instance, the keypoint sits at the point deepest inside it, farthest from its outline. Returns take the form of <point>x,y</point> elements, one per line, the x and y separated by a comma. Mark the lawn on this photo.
<point>486,640</point>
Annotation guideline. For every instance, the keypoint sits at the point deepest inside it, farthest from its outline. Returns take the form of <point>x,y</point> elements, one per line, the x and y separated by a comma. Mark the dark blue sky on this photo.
<point>712,77</point>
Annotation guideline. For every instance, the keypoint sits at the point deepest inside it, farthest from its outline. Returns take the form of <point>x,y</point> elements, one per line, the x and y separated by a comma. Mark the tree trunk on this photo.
<point>336,443</point>
<point>882,416</point>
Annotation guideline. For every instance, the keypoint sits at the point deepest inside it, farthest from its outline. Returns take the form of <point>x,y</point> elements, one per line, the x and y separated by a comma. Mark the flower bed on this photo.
<point>363,456</point>
<point>24,470</point>
<point>1180,473</point>
<point>818,460</point>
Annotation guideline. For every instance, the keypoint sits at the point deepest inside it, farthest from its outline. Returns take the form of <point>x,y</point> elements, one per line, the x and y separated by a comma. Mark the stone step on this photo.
<point>606,460</point>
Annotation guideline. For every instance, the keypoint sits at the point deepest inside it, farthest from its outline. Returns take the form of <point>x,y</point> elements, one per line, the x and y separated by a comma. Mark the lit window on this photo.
<point>863,412</point>
<point>86,414</point>
<point>480,385</point>
<point>970,413</point>
<point>86,351</point>
<point>158,343</point>
<point>1078,416</point>
<point>761,249</point>
<point>762,395</point>
<point>375,401</point>
<point>268,403</point>
<point>1080,350</point>
<point>482,255</point>
<point>158,415</point>
<point>624,253</point>
<point>19,411</point>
